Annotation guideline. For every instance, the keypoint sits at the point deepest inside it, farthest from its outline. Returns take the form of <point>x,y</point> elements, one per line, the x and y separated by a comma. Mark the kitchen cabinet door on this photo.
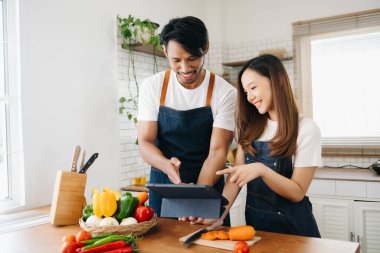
<point>367,225</point>
<point>334,218</point>
<point>237,212</point>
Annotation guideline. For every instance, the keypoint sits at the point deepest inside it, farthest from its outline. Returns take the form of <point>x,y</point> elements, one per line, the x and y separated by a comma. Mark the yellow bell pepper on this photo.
<point>104,204</point>
<point>94,190</point>
<point>117,193</point>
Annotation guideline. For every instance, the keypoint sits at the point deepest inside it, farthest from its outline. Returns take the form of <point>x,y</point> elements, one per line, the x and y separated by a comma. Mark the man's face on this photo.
<point>187,67</point>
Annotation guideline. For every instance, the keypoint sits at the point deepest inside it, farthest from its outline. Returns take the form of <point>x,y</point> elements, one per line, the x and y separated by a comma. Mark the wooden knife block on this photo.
<point>68,198</point>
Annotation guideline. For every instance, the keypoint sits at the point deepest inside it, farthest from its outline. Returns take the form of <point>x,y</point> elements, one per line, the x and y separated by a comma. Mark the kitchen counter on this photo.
<point>164,237</point>
<point>351,174</point>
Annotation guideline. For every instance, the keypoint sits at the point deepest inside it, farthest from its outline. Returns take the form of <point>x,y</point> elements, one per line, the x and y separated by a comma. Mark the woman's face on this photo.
<point>259,92</point>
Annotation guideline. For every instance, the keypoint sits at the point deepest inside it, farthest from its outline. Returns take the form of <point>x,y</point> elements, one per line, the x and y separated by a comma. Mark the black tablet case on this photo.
<point>185,200</point>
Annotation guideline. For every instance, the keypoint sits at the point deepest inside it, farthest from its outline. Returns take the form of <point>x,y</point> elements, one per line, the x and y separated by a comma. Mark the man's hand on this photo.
<point>172,170</point>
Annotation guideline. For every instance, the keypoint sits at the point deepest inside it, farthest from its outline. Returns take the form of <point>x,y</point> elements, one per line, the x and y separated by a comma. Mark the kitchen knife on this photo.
<point>75,159</point>
<point>88,163</point>
<point>214,226</point>
<point>83,157</point>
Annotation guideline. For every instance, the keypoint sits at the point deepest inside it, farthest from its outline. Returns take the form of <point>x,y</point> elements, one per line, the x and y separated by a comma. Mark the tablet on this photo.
<point>184,200</point>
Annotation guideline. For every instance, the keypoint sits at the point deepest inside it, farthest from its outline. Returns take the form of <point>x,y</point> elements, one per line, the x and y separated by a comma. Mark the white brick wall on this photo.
<point>131,163</point>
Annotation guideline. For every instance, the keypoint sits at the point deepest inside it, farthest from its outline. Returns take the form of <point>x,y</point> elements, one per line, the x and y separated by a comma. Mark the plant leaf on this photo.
<point>121,109</point>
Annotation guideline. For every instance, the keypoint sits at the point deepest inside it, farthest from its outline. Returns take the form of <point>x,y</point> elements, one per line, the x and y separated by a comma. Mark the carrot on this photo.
<point>143,197</point>
<point>211,235</point>
<point>222,235</point>
<point>241,233</point>
<point>215,235</point>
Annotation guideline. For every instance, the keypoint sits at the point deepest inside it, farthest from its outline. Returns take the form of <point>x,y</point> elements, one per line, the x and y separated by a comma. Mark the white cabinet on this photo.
<point>237,212</point>
<point>348,210</point>
<point>367,225</point>
<point>334,217</point>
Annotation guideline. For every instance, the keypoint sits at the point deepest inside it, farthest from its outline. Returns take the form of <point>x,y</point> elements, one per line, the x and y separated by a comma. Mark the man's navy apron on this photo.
<point>185,135</point>
<point>268,211</point>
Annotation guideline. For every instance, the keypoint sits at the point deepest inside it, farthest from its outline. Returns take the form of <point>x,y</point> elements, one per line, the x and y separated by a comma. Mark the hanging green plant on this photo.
<point>134,32</point>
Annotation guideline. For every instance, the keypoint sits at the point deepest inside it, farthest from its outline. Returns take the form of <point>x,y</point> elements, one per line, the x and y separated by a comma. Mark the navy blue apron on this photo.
<point>185,135</point>
<point>268,211</point>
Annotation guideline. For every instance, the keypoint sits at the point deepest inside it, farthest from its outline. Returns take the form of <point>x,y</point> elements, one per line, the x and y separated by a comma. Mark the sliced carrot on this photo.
<point>241,233</point>
<point>211,235</point>
<point>215,235</point>
<point>222,235</point>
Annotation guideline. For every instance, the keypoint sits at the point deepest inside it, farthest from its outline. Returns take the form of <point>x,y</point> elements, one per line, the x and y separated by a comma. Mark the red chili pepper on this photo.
<point>105,247</point>
<point>122,250</point>
<point>143,213</point>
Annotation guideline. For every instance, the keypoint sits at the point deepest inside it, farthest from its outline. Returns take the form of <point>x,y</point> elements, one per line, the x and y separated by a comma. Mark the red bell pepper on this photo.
<point>143,213</point>
<point>122,250</point>
<point>105,247</point>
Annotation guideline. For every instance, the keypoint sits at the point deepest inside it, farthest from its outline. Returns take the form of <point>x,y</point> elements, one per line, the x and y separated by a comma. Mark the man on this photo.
<point>186,114</point>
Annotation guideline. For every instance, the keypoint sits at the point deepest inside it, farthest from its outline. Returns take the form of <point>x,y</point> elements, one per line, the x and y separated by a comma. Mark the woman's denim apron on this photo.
<point>185,135</point>
<point>268,211</point>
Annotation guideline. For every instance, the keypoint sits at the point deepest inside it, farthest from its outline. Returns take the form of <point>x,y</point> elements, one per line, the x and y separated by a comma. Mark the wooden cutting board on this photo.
<point>220,244</point>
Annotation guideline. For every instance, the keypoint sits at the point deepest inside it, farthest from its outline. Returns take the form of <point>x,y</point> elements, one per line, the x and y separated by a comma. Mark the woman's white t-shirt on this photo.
<point>309,142</point>
<point>223,101</point>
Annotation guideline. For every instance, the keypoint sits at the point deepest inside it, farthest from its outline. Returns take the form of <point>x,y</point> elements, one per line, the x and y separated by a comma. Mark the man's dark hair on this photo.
<point>188,31</point>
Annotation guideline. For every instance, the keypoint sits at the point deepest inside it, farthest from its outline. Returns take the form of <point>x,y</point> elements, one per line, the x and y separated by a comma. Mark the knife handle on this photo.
<point>75,159</point>
<point>88,163</point>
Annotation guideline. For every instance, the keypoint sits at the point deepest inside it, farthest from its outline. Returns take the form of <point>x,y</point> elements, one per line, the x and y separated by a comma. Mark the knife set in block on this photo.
<point>68,198</point>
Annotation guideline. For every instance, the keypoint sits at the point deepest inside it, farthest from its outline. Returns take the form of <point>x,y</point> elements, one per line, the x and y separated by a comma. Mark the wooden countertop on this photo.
<point>164,237</point>
<point>351,174</point>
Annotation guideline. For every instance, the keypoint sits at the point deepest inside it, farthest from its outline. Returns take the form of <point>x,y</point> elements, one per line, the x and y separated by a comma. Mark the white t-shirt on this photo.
<point>223,101</point>
<point>309,142</point>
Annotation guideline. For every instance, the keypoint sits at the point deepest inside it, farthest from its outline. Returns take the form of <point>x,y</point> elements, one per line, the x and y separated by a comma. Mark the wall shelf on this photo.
<point>241,63</point>
<point>147,49</point>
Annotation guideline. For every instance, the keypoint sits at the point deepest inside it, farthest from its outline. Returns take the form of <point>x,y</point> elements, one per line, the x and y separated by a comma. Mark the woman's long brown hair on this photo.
<point>250,124</point>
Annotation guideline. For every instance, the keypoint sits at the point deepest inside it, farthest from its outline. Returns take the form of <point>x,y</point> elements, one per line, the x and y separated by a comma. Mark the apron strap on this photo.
<point>166,82</point>
<point>164,87</point>
<point>210,89</point>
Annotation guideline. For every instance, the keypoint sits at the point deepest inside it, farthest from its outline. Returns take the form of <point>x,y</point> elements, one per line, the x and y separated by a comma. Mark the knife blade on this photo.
<point>214,226</point>
<point>75,159</point>
<point>83,157</point>
<point>88,163</point>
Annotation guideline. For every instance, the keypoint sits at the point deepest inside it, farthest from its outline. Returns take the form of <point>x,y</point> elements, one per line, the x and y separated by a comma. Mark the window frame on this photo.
<point>12,102</point>
<point>303,34</point>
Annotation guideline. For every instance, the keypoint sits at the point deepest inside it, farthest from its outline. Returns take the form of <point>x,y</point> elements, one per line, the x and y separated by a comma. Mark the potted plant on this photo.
<point>134,32</point>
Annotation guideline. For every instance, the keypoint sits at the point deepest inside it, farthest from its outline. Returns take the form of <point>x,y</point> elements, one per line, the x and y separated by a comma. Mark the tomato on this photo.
<point>83,236</point>
<point>69,247</point>
<point>241,247</point>
<point>69,238</point>
<point>143,197</point>
<point>143,213</point>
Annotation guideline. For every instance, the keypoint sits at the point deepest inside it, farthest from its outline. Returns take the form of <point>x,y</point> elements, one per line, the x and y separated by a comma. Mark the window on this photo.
<point>11,155</point>
<point>4,191</point>
<point>337,80</point>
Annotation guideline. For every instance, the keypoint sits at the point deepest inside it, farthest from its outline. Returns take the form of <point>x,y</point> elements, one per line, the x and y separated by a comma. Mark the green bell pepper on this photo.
<point>126,206</point>
<point>87,212</point>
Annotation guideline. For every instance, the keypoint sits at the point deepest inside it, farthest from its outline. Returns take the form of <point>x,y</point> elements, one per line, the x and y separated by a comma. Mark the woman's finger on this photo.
<point>199,220</point>
<point>225,171</point>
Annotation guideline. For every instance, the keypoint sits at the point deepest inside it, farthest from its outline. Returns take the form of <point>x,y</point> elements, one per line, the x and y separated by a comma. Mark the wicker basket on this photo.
<point>135,229</point>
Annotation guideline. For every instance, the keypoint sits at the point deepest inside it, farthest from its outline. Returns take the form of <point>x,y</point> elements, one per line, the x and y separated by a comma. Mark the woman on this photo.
<point>278,152</point>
